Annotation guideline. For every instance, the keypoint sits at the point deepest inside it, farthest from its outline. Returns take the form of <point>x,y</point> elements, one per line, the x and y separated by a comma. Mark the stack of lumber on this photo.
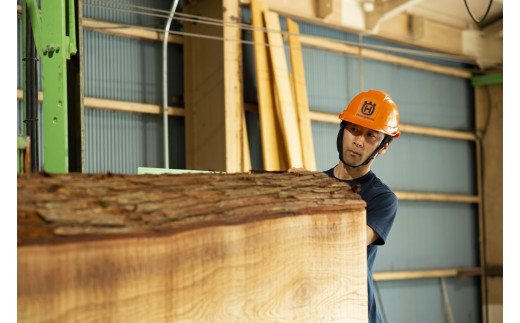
<point>193,247</point>
<point>282,96</point>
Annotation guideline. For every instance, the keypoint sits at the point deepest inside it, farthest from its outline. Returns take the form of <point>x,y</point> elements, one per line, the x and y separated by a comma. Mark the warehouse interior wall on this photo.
<point>426,234</point>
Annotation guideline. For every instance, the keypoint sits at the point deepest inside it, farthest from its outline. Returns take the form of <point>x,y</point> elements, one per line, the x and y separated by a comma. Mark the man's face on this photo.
<point>359,143</point>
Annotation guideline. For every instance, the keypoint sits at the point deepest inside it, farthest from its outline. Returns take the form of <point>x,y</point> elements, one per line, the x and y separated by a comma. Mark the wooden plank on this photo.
<point>416,196</point>
<point>344,49</point>
<point>272,148</point>
<point>416,274</point>
<point>314,116</point>
<point>192,247</point>
<point>133,107</point>
<point>212,93</point>
<point>300,90</point>
<point>236,147</point>
<point>432,273</point>
<point>114,105</point>
<point>405,128</point>
<point>128,31</point>
<point>437,132</point>
<point>287,110</point>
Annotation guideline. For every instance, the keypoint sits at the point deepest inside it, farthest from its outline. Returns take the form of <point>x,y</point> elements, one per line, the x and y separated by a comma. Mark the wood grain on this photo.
<point>300,95</point>
<point>270,130</point>
<point>259,247</point>
<point>286,104</point>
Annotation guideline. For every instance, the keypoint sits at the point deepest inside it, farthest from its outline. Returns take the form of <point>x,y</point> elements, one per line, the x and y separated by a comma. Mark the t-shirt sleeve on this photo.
<point>381,212</point>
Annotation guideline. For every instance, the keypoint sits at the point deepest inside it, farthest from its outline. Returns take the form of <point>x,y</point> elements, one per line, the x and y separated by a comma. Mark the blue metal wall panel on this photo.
<point>126,69</point>
<point>428,235</point>
<point>120,142</point>
<point>332,80</point>
<point>255,140</point>
<point>420,300</point>
<point>324,136</point>
<point>428,164</point>
<point>423,98</point>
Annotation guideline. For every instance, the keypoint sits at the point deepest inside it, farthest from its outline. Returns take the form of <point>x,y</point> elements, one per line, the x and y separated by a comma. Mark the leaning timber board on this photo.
<point>245,247</point>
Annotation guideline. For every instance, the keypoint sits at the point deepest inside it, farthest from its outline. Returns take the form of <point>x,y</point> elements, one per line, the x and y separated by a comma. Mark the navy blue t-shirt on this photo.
<point>381,210</point>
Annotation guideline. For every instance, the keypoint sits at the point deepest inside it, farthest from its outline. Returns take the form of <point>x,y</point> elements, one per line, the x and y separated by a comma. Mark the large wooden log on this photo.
<point>193,247</point>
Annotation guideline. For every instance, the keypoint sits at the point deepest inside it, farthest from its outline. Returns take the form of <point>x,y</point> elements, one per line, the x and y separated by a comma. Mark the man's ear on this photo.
<point>383,150</point>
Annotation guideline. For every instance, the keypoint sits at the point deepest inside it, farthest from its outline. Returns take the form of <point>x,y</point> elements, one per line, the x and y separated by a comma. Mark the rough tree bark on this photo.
<point>195,247</point>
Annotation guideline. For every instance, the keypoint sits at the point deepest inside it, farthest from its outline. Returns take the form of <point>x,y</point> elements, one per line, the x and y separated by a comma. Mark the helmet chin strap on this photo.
<point>339,143</point>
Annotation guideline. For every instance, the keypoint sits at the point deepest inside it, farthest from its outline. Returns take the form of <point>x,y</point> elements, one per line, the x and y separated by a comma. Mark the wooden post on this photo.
<point>489,148</point>
<point>213,93</point>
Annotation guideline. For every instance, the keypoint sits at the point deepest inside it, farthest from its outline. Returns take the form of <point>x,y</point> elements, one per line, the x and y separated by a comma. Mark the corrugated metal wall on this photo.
<point>125,69</point>
<point>426,235</point>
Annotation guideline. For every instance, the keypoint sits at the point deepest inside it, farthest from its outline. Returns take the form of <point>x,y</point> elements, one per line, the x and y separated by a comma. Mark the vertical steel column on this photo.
<point>55,47</point>
<point>30,88</point>
<point>76,108</point>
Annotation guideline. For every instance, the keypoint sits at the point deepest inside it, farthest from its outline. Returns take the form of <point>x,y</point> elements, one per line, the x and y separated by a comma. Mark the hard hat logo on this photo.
<point>368,108</point>
<point>362,111</point>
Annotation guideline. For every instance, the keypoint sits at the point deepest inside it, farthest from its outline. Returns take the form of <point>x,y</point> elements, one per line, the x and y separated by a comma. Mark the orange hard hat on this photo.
<point>374,110</point>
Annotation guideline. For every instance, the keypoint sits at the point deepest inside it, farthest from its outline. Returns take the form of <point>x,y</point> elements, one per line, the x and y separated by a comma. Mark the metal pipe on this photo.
<point>165,82</point>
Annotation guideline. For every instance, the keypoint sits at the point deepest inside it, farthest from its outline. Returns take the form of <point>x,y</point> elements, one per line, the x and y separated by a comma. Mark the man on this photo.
<point>369,123</point>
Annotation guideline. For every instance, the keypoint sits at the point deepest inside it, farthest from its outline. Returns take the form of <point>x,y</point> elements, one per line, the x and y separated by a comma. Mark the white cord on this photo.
<point>446,301</point>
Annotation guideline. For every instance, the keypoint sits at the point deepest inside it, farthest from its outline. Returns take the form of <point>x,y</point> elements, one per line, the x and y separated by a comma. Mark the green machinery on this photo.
<point>55,40</point>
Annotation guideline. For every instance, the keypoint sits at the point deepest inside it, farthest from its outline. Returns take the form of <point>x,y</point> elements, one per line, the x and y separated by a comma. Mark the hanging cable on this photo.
<point>473,17</point>
<point>247,27</point>
<point>165,83</point>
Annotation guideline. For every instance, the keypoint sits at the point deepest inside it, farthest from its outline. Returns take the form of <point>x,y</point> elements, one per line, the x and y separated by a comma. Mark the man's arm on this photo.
<point>371,235</point>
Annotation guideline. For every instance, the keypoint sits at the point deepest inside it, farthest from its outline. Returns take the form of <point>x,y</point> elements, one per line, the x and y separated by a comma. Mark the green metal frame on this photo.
<point>487,80</point>
<point>55,39</point>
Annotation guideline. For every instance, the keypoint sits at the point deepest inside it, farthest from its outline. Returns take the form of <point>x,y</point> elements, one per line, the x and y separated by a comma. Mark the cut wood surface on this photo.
<point>194,247</point>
